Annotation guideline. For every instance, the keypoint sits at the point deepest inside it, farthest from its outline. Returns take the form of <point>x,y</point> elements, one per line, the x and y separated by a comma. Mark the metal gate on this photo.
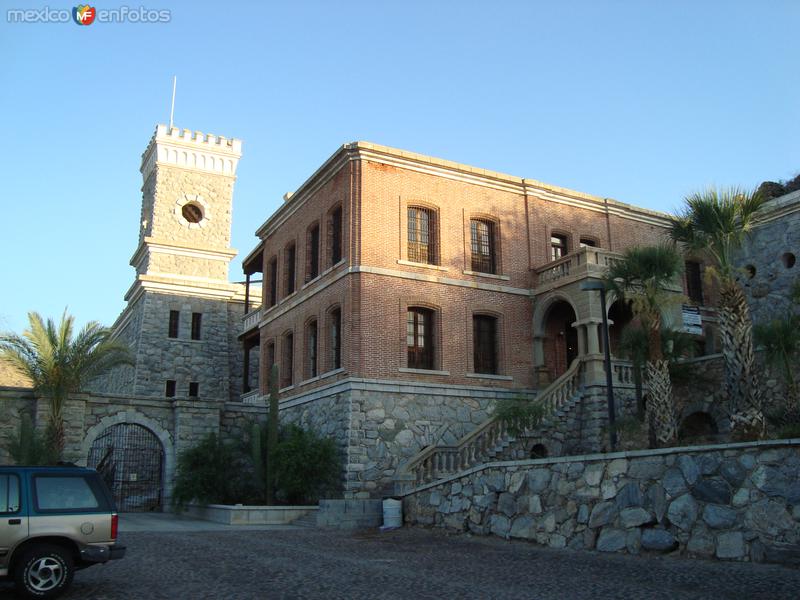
<point>130,458</point>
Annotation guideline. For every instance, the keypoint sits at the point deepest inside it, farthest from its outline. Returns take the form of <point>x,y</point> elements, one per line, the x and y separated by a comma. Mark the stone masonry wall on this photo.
<point>772,251</point>
<point>205,361</point>
<point>732,502</point>
<point>377,426</point>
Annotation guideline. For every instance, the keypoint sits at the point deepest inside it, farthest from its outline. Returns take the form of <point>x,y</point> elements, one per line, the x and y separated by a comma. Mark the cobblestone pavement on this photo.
<point>408,563</point>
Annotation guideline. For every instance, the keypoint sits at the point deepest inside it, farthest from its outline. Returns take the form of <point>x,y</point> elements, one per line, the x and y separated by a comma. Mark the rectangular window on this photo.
<point>289,267</point>
<point>287,369</point>
<point>272,275</point>
<point>482,237</point>
<point>312,349</point>
<point>197,321</point>
<point>70,493</point>
<point>9,494</point>
<point>313,253</point>
<point>336,338</point>
<point>484,344</point>
<point>419,338</point>
<point>421,235</point>
<point>194,389</point>
<point>558,246</point>
<point>587,243</point>
<point>174,319</point>
<point>169,388</point>
<point>336,235</point>
<point>694,281</point>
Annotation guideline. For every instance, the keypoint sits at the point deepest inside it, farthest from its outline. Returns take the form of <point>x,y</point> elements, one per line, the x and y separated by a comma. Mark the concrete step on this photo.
<point>309,520</point>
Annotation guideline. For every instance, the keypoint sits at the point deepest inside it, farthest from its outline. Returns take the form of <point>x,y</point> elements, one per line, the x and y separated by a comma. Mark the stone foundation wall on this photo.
<point>735,501</point>
<point>377,425</point>
<point>706,391</point>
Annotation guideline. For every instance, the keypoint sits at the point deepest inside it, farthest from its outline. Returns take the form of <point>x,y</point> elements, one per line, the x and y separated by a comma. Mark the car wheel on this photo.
<point>44,571</point>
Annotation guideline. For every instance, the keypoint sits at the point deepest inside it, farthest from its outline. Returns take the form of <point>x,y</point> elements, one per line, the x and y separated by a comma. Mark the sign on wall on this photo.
<point>692,321</point>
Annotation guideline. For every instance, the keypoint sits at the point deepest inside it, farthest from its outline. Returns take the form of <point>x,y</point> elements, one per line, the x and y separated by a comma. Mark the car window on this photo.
<point>64,492</point>
<point>9,494</point>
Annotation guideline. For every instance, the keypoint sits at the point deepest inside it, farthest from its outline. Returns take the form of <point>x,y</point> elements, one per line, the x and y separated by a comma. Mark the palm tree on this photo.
<point>59,364</point>
<point>715,224</point>
<point>643,276</point>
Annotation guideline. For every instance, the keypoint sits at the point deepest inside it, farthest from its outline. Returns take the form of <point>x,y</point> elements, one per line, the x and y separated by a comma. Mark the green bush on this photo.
<point>212,472</point>
<point>28,448</point>
<point>307,466</point>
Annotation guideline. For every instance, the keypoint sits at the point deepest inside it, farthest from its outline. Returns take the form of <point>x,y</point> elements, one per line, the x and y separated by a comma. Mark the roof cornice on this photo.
<point>454,171</point>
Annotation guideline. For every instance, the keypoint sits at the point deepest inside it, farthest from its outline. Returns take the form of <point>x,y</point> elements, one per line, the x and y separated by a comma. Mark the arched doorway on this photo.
<point>130,458</point>
<point>561,338</point>
<point>621,315</point>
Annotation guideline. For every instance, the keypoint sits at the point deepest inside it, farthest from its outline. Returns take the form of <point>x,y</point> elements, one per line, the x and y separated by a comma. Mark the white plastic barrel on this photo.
<point>392,513</point>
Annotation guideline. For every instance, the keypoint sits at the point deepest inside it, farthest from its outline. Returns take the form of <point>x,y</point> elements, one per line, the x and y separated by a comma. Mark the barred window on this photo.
<point>484,344</point>
<point>289,268</point>
<point>336,338</point>
<point>421,235</point>
<point>482,234</point>
<point>312,253</point>
<point>287,368</point>
<point>419,338</point>
<point>335,225</point>
<point>311,349</point>
<point>272,277</point>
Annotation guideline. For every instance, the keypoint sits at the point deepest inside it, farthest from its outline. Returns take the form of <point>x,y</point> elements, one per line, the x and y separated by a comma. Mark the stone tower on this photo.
<point>183,314</point>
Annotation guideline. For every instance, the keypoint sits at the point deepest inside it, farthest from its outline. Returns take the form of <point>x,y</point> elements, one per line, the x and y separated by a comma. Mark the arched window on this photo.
<point>483,239</point>
<point>484,344</point>
<point>311,349</point>
<point>335,330</point>
<point>422,235</point>
<point>312,252</point>
<point>558,246</point>
<point>287,368</point>
<point>419,338</point>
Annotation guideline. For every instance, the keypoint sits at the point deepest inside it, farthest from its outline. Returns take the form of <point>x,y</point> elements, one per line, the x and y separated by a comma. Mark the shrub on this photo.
<point>28,448</point>
<point>212,472</point>
<point>306,466</point>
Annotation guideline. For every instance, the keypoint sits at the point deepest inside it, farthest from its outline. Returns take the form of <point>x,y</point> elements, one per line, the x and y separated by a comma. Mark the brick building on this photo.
<point>403,294</point>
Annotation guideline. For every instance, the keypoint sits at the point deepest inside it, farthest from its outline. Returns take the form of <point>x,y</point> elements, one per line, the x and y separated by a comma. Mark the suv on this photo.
<point>53,521</point>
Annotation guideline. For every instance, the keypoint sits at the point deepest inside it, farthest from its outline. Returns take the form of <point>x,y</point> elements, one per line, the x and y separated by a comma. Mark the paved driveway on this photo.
<point>203,561</point>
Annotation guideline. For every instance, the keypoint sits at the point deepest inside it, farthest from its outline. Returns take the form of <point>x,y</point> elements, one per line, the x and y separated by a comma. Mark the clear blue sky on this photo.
<point>640,101</point>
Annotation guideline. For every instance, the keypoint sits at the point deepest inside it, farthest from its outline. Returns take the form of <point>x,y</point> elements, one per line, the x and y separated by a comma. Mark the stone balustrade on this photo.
<point>586,262</point>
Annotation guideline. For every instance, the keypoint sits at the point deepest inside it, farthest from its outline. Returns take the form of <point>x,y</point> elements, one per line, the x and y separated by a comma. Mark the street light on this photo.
<point>589,286</point>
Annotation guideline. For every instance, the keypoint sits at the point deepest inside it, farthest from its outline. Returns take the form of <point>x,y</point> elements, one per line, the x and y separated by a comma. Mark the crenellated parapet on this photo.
<point>193,150</point>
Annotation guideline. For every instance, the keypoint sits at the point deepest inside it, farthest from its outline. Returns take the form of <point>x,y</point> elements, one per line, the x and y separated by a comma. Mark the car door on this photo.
<point>13,515</point>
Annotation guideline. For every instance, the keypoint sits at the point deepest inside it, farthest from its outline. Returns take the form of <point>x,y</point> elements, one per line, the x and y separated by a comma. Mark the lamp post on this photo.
<point>592,285</point>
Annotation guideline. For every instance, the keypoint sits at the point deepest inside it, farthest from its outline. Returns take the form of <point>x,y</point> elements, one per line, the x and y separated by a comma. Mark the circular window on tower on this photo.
<point>192,212</point>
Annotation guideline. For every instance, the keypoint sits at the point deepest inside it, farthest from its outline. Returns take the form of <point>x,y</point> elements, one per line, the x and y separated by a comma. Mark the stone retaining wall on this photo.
<point>732,501</point>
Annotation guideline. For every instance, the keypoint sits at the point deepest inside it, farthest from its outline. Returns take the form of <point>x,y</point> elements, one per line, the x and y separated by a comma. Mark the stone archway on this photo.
<point>560,337</point>
<point>137,457</point>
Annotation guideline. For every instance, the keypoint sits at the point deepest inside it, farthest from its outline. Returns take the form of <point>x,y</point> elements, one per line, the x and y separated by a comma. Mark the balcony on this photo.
<point>250,320</point>
<point>586,262</point>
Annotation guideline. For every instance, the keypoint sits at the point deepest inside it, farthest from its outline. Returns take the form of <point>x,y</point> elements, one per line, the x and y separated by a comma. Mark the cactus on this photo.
<point>272,432</point>
<point>256,453</point>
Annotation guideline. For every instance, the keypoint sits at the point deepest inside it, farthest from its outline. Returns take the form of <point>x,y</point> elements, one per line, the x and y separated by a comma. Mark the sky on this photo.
<point>640,101</point>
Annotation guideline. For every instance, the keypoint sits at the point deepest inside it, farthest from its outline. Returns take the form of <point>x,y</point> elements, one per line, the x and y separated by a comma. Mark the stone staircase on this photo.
<point>492,440</point>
